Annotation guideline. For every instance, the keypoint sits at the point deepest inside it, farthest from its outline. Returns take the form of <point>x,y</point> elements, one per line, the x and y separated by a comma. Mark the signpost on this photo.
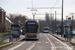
<point>19,21</point>
<point>58,28</point>
<point>68,30</point>
<point>69,21</point>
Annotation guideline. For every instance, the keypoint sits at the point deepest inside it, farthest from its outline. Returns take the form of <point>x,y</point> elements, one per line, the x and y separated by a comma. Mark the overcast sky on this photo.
<point>20,7</point>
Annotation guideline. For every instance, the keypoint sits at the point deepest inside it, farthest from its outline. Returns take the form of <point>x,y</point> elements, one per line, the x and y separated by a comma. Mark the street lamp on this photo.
<point>55,21</point>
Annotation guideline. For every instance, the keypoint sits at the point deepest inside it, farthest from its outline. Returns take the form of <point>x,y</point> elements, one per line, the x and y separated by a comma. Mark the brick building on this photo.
<point>2,15</point>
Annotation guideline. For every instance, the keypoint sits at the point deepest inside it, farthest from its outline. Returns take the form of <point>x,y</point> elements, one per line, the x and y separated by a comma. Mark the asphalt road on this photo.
<point>45,42</point>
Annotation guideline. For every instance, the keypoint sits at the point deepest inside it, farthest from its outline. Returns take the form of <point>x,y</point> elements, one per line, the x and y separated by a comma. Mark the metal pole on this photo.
<point>72,26</point>
<point>33,17</point>
<point>32,3</point>
<point>32,9</point>
<point>34,14</point>
<point>66,20</point>
<point>62,20</point>
<point>72,21</point>
<point>55,21</point>
<point>51,23</point>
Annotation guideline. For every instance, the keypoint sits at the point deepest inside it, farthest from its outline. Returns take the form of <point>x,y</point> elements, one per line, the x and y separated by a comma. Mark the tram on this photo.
<point>31,29</point>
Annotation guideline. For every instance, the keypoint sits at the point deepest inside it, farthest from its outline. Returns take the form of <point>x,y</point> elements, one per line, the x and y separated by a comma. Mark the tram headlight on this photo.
<point>36,34</point>
<point>25,34</point>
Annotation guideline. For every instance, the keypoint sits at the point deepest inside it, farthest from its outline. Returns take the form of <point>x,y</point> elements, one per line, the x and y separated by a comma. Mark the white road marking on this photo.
<point>30,47</point>
<point>42,41</point>
<point>46,42</point>
<point>38,42</point>
<point>16,46</point>
<point>53,46</point>
<point>28,42</point>
<point>69,48</point>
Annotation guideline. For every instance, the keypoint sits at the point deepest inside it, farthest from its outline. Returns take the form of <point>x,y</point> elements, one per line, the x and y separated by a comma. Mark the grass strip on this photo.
<point>1,34</point>
<point>2,43</point>
<point>53,33</point>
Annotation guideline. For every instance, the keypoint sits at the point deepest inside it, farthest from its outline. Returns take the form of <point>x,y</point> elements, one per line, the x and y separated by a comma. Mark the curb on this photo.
<point>6,45</point>
<point>58,38</point>
<point>10,43</point>
<point>62,40</point>
<point>72,43</point>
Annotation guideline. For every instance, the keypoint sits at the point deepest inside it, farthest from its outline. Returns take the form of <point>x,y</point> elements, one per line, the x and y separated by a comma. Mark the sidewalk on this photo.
<point>73,41</point>
<point>14,39</point>
<point>63,39</point>
<point>13,42</point>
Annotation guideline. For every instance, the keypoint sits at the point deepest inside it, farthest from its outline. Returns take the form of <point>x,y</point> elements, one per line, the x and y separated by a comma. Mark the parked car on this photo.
<point>23,30</point>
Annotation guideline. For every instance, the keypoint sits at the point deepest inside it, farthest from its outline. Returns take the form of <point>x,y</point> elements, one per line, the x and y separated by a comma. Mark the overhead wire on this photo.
<point>41,2</point>
<point>48,3</point>
<point>32,5</point>
<point>45,3</point>
<point>55,4</point>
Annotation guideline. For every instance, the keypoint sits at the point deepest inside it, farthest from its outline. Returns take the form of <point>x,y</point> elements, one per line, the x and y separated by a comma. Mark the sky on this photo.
<point>20,7</point>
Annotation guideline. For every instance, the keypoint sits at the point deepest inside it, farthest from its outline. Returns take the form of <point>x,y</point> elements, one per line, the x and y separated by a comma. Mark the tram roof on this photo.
<point>31,20</point>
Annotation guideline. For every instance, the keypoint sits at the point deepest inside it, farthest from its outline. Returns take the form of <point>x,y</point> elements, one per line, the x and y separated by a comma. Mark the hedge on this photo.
<point>2,28</point>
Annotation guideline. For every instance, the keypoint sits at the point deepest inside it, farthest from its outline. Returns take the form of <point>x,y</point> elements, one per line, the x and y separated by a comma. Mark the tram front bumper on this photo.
<point>31,37</point>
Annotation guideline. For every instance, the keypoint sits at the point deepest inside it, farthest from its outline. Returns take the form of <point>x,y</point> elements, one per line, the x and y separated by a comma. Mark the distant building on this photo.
<point>2,15</point>
<point>47,18</point>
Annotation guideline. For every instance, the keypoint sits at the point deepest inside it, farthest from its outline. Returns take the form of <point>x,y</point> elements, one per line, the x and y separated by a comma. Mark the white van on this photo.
<point>46,30</point>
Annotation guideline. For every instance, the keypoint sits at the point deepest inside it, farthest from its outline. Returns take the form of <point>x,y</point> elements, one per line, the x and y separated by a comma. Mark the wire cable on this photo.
<point>48,3</point>
<point>55,3</point>
<point>45,3</point>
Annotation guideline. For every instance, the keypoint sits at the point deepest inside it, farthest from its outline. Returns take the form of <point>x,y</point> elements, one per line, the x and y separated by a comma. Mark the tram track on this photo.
<point>52,44</point>
<point>31,46</point>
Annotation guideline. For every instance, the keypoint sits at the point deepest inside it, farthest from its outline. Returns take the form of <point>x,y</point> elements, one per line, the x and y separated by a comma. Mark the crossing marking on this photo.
<point>46,42</point>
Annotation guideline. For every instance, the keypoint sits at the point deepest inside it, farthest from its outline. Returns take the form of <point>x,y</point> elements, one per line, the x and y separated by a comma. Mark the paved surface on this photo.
<point>14,39</point>
<point>73,40</point>
<point>46,42</point>
<point>62,38</point>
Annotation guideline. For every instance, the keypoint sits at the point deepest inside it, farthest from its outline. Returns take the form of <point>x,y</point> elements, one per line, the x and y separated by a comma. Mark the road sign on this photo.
<point>69,21</point>
<point>19,21</point>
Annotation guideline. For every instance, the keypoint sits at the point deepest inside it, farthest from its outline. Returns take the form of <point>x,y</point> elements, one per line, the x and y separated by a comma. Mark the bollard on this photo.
<point>10,38</point>
<point>70,38</point>
<point>16,37</point>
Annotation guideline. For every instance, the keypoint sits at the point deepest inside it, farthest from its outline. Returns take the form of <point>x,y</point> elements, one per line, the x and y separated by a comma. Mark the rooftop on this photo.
<point>2,10</point>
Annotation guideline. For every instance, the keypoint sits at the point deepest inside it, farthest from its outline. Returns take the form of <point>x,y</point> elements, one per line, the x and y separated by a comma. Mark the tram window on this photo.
<point>32,28</point>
